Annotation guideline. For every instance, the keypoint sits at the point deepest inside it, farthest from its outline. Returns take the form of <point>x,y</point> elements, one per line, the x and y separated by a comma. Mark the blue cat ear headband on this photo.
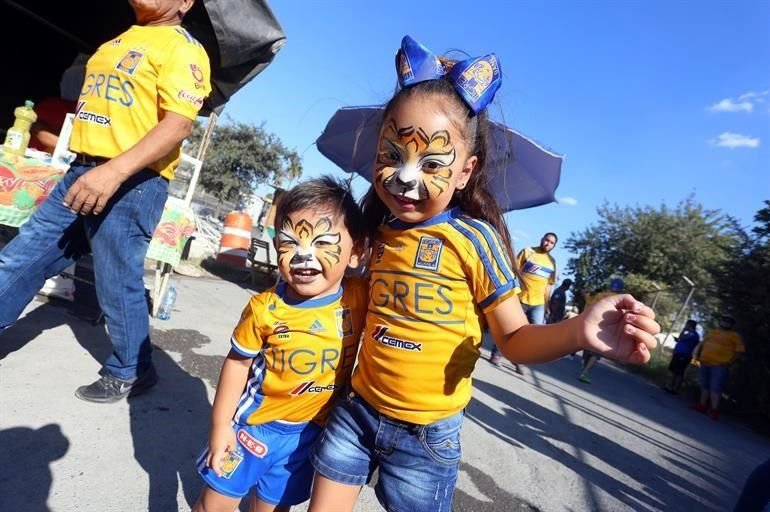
<point>476,79</point>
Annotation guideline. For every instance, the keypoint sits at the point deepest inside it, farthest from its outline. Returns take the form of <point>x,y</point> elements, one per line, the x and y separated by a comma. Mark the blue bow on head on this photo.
<point>476,79</point>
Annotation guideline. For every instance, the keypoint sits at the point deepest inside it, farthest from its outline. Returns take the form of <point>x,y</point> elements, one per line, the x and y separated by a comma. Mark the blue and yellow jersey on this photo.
<point>430,285</point>
<point>720,347</point>
<point>538,270</point>
<point>303,352</point>
<point>130,82</point>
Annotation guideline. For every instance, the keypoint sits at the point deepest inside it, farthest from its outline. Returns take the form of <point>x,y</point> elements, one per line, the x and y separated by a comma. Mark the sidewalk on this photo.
<point>542,441</point>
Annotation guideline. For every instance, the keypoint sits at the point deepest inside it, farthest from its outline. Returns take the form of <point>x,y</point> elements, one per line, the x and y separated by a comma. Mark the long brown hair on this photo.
<point>475,199</point>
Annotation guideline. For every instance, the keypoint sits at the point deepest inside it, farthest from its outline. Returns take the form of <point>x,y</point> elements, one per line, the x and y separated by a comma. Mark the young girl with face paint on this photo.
<point>293,348</point>
<point>440,272</point>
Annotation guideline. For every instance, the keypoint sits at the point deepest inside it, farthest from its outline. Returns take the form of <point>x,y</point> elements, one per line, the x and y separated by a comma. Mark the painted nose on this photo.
<point>299,259</point>
<point>409,185</point>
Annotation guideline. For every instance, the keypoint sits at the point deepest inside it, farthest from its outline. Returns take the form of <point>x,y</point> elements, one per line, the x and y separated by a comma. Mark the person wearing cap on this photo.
<point>716,353</point>
<point>591,358</point>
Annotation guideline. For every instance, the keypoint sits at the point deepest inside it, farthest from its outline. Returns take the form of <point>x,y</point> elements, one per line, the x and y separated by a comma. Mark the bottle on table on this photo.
<point>169,299</point>
<point>17,136</point>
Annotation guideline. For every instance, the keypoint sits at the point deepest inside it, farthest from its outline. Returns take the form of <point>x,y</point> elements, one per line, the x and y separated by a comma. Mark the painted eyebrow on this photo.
<point>395,145</point>
<point>287,235</point>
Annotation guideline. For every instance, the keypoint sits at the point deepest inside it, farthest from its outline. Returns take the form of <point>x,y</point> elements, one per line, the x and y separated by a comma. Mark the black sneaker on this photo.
<point>110,389</point>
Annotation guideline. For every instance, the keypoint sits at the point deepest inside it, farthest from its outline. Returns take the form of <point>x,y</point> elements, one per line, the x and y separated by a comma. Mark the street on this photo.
<point>541,441</point>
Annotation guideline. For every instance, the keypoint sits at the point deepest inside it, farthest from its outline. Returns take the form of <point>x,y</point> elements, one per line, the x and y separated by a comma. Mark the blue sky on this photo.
<point>649,101</point>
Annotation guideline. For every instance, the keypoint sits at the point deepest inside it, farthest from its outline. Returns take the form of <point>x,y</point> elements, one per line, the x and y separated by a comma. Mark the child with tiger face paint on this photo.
<point>440,273</point>
<point>291,353</point>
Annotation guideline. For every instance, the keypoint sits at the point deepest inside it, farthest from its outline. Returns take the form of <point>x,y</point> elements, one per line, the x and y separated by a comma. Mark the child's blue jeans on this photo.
<point>418,464</point>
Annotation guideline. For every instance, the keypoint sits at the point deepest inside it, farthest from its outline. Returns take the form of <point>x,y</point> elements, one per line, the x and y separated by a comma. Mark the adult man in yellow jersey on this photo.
<point>141,94</point>
<point>538,274</point>
<point>716,353</point>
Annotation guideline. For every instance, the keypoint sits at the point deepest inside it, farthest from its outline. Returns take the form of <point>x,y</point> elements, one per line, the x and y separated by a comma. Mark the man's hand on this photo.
<point>90,193</point>
<point>621,328</point>
<point>221,441</point>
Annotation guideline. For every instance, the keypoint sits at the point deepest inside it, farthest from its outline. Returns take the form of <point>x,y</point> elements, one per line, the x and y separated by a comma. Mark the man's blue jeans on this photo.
<point>54,238</point>
<point>535,316</point>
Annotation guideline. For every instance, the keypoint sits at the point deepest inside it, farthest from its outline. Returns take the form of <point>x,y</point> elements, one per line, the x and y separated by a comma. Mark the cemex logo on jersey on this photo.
<point>308,387</point>
<point>380,336</point>
<point>91,117</point>
<point>257,448</point>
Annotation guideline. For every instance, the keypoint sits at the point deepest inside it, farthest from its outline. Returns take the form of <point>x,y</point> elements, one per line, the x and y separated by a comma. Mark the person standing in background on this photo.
<point>558,302</point>
<point>716,353</point>
<point>538,274</point>
<point>686,342</point>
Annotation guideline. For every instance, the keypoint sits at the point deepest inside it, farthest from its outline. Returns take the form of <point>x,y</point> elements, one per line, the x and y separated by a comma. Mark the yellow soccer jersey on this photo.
<point>130,81</point>
<point>429,286</point>
<point>720,347</point>
<point>538,270</point>
<point>303,352</point>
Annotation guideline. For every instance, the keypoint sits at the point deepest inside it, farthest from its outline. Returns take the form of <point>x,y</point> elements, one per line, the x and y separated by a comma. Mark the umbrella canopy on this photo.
<point>521,172</point>
<point>241,38</point>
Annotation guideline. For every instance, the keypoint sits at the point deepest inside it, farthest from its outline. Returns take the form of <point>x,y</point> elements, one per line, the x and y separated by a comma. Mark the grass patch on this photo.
<point>657,372</point>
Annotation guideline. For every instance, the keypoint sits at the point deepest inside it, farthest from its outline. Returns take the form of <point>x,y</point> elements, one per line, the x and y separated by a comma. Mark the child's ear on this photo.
<point>358,254</point>
<point>467,171</point>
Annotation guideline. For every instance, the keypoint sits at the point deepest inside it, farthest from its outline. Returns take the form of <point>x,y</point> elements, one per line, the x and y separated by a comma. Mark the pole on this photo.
<point>657,294</point>
<point>681,310</point>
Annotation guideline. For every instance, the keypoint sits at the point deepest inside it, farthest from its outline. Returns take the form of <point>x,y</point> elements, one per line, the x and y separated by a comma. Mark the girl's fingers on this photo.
<point>640,338</point>
<point>629,303</point>
<point>640,355</point>
<point>642,322</point>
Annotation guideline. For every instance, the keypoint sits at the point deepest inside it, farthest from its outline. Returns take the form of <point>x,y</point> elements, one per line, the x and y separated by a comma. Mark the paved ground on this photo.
<point>542,441</point>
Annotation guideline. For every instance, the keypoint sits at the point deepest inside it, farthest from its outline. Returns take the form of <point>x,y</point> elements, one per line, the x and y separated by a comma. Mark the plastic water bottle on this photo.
<point>164,313</point>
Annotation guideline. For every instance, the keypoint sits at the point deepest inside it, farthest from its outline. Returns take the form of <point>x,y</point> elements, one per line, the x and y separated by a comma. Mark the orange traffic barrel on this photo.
<point>236,239</point>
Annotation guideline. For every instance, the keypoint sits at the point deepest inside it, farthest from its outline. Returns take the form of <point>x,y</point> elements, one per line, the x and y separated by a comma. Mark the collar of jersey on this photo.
<point>280,290</point>
<point>444,216</point>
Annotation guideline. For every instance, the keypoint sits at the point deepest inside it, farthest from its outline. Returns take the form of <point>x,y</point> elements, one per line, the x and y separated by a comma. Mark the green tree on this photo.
<point>653,248</point>
<point>744,282</point>
<point>240,157</point>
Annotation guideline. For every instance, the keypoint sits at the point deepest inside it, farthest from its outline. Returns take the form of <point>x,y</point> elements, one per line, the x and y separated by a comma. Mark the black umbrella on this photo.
<point>241,38</point>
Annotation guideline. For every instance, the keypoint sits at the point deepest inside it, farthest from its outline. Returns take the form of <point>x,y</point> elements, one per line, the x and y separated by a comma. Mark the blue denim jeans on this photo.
<point>54,238</point>
<point>535,315</point>
<point>418,464</point>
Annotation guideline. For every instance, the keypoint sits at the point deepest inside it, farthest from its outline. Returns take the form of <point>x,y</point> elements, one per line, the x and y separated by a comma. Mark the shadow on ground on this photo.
<point>526,424</point>
<point>25,475</point>
<point>169,424</point>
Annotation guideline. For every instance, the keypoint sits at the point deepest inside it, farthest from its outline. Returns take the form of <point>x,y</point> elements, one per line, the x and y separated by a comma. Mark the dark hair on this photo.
<point>567,282</point>
<point>475,199</point>
<point>555,238</point>
<point>323,193</point>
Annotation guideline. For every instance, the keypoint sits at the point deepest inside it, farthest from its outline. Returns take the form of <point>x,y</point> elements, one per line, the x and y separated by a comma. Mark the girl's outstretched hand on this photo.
<point>619,327</point>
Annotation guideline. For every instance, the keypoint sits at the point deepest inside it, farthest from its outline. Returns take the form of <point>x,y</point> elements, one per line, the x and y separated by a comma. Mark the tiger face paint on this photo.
<point>414,164</point>
<point>314,248</point>
<point>420,160</point>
